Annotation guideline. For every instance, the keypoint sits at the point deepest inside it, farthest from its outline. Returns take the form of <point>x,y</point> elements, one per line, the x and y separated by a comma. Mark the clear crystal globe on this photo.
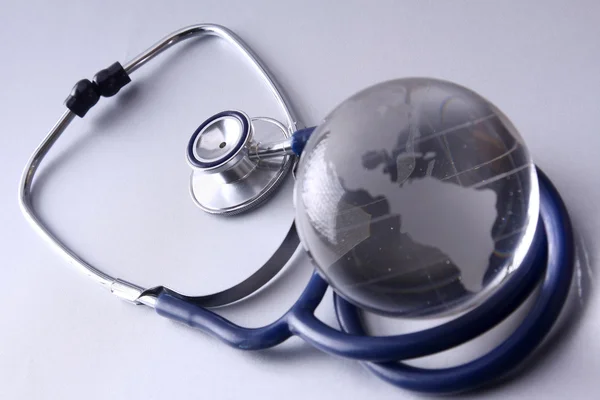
<point>416,197</point>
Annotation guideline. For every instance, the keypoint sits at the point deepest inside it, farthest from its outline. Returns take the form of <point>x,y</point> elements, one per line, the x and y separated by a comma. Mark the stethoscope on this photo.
<point>239,161</point>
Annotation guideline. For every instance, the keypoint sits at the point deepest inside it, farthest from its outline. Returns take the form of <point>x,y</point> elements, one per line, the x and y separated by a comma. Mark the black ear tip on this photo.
<point>85,95</point>
<point>111,79</point>
<point>107,83</point>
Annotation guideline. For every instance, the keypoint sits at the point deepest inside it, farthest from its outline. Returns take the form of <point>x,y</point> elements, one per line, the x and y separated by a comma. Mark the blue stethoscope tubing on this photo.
<point>521,343</point>
<point>551,252</point>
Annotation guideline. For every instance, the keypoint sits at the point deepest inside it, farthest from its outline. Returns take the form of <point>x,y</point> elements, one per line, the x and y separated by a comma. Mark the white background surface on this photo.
<point>116,187</point>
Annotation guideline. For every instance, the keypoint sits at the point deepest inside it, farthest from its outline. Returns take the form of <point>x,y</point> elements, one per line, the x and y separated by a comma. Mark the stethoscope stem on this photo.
<point>293,145</point>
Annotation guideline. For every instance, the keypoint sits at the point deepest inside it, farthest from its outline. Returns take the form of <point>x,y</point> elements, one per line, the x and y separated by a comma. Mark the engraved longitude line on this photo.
<point>499,176</point>
<point>482,164</point>
<point>465,171</point>
<point>475,186</point>
<point>454,128</point>
<point>449,155</point>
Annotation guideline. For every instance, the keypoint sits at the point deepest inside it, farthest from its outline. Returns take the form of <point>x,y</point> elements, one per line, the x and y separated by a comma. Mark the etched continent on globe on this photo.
<point>416,197</point>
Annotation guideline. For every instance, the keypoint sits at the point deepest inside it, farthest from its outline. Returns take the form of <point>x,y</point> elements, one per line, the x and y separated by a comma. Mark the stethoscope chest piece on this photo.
<point>228,175</point>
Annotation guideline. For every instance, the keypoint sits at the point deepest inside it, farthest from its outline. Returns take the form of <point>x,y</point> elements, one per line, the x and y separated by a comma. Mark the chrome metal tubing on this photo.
<point>272,149</point>
<point>121,288</point>
<point>279,148</point>
<point>224,33</point>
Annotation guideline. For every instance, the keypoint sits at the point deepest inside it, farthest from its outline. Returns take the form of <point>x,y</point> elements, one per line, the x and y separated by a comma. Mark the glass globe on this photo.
<point>416,197</point>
